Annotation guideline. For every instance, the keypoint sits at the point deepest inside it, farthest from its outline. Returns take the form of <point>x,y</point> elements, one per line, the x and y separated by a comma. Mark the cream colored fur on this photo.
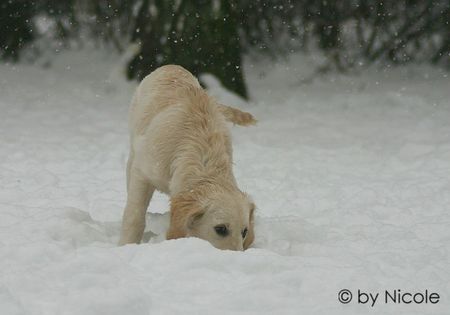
<point>180,145</point>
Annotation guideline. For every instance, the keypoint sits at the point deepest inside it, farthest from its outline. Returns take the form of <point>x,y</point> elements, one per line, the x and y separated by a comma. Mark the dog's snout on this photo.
<point>239,246</point>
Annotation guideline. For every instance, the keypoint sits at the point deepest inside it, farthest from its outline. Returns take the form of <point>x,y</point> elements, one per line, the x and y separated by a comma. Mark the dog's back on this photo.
<point>167,86</point>
<point>156,92</point>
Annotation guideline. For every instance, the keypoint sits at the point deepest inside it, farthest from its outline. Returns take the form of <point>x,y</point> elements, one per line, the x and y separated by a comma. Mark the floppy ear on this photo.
<point>184,214</point>
<point>193,219</point>
<point>251,232</point>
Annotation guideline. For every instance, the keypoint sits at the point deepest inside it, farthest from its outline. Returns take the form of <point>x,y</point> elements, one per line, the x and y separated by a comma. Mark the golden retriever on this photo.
<point>181,146</point>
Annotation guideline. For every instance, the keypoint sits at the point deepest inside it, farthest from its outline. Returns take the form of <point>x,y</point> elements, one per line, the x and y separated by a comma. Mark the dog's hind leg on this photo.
<point>140,191</point>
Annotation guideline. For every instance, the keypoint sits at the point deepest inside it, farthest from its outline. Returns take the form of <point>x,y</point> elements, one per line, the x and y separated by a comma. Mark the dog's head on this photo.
<point>223,218</point>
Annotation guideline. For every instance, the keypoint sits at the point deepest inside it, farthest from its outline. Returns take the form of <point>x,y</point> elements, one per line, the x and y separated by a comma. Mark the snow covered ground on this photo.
<point>351,176</point>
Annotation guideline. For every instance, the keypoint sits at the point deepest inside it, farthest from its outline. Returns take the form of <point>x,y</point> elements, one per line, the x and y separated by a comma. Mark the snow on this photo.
<point>350,175</point>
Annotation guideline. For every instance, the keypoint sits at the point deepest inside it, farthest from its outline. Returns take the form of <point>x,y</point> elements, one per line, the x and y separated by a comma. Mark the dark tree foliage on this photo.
<point>212,36</point>
<point>16,28</point>
<point>199,37</point>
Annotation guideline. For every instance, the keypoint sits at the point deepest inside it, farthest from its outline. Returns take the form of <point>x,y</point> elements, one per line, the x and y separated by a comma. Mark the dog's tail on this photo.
<point>237,116</point>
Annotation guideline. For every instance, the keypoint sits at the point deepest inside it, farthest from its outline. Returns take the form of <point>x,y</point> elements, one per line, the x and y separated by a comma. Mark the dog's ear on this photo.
<point>184,215</point>
<point>194,218</point>
<point>251,232</point>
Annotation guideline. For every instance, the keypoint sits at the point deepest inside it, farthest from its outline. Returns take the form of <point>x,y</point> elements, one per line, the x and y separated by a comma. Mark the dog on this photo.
<point>180,145</point>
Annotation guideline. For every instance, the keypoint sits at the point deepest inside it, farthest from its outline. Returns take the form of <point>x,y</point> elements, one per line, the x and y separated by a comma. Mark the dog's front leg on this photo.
<point>140,192</point>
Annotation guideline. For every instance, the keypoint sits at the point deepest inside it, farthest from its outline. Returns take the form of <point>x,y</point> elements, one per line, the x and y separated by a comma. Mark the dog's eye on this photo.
<point>244,233</point>
<point>221,230</point>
